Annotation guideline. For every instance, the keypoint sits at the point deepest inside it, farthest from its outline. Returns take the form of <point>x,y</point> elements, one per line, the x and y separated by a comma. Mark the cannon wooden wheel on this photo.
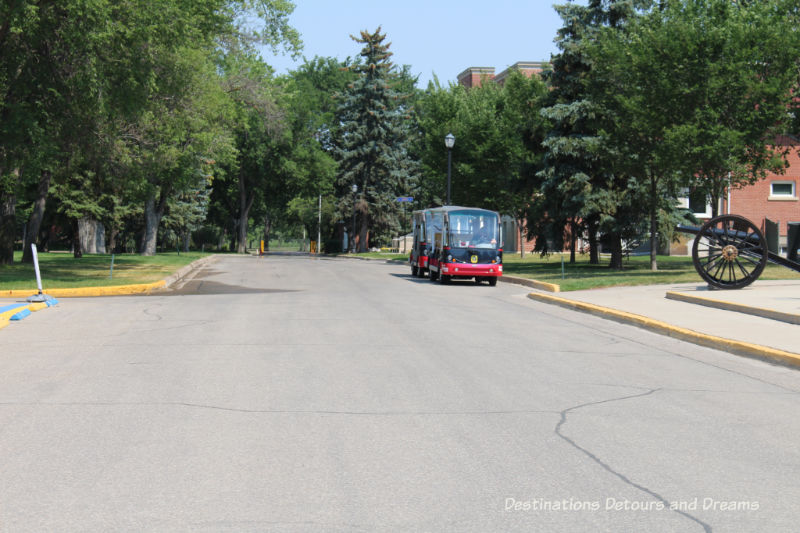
<point>729,252</point>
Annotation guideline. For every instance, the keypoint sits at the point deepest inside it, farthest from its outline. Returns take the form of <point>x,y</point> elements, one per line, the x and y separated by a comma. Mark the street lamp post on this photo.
<point>353,235</point>
<point>449,141</point>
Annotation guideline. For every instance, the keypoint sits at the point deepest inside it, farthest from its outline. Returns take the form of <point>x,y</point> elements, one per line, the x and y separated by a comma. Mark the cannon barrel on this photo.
<point>742,236</point>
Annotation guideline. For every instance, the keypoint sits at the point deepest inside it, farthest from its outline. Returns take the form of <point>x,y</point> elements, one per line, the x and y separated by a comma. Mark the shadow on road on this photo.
<point>427,281</point>
<point>204,287</point>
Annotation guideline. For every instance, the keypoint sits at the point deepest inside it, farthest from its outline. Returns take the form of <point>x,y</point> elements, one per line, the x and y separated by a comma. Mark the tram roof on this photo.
<point>450,208</point>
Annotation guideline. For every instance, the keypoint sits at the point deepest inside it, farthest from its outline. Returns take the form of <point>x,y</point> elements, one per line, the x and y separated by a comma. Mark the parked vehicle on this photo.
<point>420,247</point>
<point>457,242</point>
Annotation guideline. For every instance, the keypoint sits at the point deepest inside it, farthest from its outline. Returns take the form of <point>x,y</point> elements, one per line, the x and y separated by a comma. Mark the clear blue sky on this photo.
<point>434,36</point>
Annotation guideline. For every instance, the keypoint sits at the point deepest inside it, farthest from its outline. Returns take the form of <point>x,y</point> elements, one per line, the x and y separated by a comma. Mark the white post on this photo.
<point>319,225</point>
<point>36,267</point>
<point>38,297</point>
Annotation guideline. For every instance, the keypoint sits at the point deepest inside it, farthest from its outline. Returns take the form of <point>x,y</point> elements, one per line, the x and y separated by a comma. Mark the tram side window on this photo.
<point>437,238</point>
<point>435,234</point>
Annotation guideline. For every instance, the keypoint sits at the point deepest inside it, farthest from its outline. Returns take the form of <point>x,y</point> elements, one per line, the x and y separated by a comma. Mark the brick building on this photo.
<point>475,76</point>
<point>775,197</point>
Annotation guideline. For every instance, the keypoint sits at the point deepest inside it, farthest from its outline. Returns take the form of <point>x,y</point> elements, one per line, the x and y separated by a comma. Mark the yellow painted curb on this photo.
<point>731,306</point>
<point>544,286</point>
<point>535,284</point>
<point>117,290</point>
<point>3,322</point>
<point>710,341</point>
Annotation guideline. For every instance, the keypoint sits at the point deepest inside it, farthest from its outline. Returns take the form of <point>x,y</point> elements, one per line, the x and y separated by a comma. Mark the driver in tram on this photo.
<point>483,236</point>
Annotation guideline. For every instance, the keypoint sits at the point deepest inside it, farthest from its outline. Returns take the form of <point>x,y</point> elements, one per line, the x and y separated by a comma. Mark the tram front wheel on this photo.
<point>415,271</point>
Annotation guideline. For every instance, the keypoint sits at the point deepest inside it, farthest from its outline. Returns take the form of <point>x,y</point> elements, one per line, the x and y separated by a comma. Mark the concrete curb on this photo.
<point>532,283</point>
<point>718,343</point>
<point>730,306</point>
<point>188,269</point>
<point>115,290</point>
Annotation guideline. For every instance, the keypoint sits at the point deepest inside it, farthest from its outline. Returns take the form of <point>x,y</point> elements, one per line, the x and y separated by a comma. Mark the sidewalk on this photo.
<point>762,320</point>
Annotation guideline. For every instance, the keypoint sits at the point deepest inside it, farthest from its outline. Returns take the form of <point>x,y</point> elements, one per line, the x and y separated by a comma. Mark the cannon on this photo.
<point>730,252</point>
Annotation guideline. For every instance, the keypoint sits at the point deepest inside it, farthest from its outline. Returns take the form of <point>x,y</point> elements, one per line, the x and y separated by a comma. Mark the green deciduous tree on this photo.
<point>498,132</point>
<point>663,83</point>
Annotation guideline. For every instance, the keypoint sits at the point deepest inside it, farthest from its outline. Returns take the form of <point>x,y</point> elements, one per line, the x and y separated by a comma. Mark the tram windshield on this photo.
<point>473,229</point>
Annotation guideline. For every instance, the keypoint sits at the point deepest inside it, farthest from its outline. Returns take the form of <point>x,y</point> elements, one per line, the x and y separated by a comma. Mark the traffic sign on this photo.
<point>404,199</point>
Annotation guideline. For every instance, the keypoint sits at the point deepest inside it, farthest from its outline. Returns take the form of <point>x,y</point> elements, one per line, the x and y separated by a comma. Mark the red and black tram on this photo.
<point>457,242</point>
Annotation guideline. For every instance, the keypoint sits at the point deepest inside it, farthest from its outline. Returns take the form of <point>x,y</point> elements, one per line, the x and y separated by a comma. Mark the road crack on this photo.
<point>608,468</point>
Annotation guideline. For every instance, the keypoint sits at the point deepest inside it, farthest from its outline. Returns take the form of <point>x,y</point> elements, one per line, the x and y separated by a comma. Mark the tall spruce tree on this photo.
<point>571,144</point>
<point>373,142</point>
<point>581,190</point>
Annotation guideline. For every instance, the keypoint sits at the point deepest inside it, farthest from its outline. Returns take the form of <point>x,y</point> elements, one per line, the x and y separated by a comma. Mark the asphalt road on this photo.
<point>303,394</point>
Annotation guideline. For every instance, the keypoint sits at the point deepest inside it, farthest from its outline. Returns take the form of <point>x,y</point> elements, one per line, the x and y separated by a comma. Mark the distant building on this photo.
<point>475,76</point>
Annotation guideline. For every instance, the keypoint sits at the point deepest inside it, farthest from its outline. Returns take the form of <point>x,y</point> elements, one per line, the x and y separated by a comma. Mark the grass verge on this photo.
<point>62,271</point>
<point>636,271</point>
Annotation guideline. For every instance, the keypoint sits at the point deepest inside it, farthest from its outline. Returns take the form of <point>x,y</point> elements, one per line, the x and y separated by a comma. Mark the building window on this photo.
<point>781,189</point>
<point>697,202</point>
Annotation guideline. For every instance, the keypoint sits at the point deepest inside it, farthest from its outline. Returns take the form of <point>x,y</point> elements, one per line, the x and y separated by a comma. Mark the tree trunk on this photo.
<point>77,252</point>
<point>245,204</point>
<point>653,224</point>
<point>594,253</point>
<point>363,227</point>
<point>35,222</point>
<point>616,251</point>
<point>521,243</point>
<point>573,240</point>
<point>362,236</point>
<point>112,239</point>
<point>152,219</point>
<point>8,227</point>
<point>714,198</point>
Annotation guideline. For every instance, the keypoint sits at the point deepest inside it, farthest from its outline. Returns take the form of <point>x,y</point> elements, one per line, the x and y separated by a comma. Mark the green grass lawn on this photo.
<point>582,275</point>
<point>60,270</point>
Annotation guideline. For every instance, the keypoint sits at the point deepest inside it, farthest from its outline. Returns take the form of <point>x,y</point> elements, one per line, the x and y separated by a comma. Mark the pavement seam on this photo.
<point>718,343</point>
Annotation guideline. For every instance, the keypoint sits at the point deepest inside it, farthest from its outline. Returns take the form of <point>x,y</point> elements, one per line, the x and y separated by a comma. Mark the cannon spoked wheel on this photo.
<point>729,252</point>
